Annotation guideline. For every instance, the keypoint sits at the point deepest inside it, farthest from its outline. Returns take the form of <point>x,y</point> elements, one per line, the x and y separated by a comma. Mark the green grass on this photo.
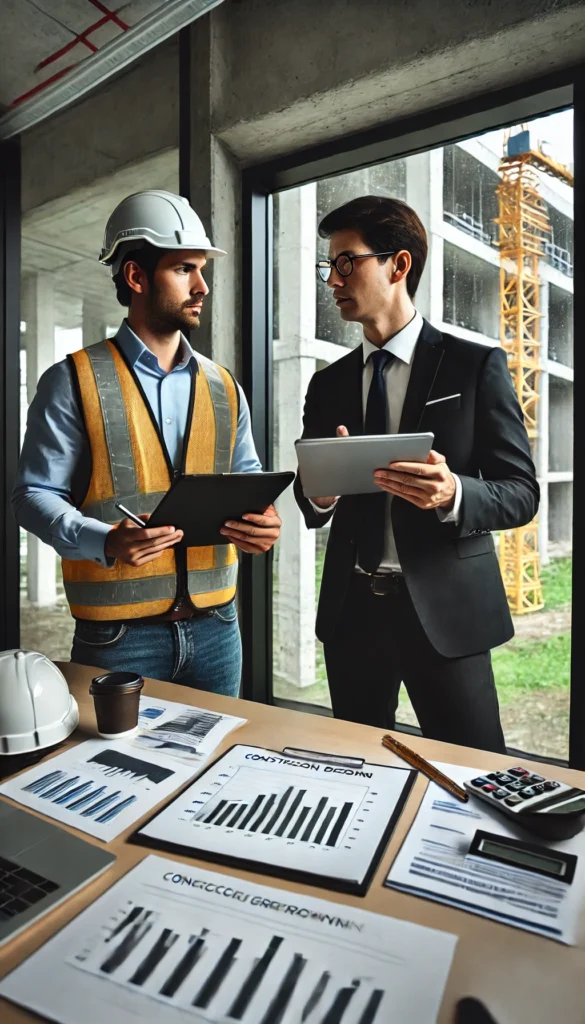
<point>525,665</point>
<point>556,582</point>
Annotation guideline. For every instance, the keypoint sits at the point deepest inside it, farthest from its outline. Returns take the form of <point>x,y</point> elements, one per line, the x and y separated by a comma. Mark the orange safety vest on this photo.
<point>130,464</point>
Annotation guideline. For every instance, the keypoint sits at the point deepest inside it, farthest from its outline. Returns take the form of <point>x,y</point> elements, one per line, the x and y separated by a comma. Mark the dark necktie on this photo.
<point>372,510</point>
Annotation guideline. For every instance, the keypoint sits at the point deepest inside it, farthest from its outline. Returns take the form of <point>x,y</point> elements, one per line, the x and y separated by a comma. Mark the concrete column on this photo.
<point>542,453</point>
<point>424,192</point>
<point>39,315</point>
<point>295,608</point>
<point>214,192</point>
<point>92,323</point>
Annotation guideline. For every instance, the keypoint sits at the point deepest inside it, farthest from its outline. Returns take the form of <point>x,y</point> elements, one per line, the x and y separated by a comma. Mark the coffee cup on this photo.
<point>116,697</point>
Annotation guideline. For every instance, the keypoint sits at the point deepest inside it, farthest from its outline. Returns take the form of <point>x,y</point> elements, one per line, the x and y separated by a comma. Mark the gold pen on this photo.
<point>414,759</point>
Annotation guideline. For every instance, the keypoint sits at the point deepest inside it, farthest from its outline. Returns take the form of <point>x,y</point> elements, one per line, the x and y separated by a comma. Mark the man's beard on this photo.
<point>166,316</point>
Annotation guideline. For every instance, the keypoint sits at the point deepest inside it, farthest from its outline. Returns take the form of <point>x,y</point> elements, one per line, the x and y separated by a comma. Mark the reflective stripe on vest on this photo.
<point>129,465</point>
<point>157,588</point>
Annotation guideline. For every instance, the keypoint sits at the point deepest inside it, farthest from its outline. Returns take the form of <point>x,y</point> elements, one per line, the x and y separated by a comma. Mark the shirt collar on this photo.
<point>134,349</point>
<point>402,345</point>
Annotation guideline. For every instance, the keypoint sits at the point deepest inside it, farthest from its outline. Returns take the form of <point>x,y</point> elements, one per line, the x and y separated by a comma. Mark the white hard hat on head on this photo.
<point>36,708</point>
<point>163,219</point>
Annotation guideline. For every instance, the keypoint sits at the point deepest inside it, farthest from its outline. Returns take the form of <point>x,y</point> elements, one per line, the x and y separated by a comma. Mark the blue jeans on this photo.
<point>204,652</point>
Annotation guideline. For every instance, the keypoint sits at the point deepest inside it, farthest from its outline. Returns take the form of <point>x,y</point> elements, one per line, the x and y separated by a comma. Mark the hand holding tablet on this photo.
<point>346,465</point>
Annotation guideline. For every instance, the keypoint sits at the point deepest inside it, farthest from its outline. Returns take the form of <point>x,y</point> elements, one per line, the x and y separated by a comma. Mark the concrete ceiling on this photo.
<point>62,239</point>
<point>41,39</point>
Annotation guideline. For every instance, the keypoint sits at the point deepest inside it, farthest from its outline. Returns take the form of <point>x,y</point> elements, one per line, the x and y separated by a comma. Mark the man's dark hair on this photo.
<point>147,257</point>
<point>385,225</point>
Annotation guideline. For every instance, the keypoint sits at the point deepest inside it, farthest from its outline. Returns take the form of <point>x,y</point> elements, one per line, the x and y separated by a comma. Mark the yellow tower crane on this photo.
<point>523,229</point>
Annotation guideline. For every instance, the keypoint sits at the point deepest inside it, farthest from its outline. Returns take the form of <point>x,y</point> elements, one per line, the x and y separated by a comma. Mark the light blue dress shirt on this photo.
<point>55,458</point>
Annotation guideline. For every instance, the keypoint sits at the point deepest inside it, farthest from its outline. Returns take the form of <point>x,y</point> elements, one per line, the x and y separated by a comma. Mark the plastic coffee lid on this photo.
<point>116,682</point>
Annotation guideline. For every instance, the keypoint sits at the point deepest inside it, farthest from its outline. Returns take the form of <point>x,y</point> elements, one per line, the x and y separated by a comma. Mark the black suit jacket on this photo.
<point>451,572</point>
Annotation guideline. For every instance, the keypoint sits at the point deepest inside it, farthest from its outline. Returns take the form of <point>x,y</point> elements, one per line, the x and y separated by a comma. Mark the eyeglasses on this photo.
<point>344,263</point>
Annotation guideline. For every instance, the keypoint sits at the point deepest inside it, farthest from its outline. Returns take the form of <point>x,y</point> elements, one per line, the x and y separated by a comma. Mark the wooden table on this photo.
<point>521,978</point>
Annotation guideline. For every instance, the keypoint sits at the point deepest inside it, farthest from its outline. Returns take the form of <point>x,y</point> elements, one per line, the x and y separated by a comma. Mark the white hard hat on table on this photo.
<point>164,219</point>
<point>36,708</point>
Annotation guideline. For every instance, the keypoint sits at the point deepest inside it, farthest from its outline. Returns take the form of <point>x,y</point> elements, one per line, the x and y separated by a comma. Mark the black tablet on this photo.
<point>200,505</point>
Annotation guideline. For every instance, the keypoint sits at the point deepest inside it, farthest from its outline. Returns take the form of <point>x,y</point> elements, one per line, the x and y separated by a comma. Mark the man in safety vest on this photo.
<point>116,422</point>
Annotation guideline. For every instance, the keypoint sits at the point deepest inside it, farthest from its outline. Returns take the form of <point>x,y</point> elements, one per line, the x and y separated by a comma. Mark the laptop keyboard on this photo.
<point>20,888</point>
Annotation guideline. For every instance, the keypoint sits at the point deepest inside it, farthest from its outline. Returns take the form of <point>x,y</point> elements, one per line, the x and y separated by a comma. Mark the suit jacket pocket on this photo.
<point>468,547</point>
<point>447,403</point>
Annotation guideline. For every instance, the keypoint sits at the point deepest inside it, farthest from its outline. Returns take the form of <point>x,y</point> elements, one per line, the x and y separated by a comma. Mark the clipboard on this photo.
<point>200,505</point>
<point>289,814</point>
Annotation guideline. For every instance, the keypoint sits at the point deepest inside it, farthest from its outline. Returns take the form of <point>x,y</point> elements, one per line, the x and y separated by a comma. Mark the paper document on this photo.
<point>100,786</point>
<point>181,730</point>
<point>309,819</point>
<point>433,862</point>
<point>174,942</point>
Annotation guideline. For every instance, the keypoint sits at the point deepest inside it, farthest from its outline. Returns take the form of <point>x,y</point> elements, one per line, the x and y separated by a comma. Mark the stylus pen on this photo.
<point>129,514</point>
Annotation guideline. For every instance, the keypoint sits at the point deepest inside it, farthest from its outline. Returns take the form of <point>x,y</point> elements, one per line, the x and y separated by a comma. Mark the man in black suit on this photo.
<point>411,586</point>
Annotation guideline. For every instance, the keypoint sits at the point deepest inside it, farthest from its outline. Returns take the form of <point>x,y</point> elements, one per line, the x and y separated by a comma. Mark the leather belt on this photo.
<point>183,613</point>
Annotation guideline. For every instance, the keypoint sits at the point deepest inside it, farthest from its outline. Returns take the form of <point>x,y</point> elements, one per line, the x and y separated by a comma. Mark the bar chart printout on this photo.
<point>219,950</point>
<point>181,730</point>
<point>306,818</point>
<point>99,786</point>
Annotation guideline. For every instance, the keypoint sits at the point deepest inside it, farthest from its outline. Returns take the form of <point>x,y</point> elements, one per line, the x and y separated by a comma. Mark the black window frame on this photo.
<point>399,138</point>
<point>9,388</point>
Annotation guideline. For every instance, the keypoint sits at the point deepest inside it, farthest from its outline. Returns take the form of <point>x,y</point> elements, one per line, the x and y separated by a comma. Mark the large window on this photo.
<point>457,191</point>
<point>68,302</point>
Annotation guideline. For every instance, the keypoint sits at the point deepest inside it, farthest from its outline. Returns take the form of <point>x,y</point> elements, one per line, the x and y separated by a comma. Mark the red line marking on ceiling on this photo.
<point>81,38</point>
<point>41,86</point>
<point>112,15</point>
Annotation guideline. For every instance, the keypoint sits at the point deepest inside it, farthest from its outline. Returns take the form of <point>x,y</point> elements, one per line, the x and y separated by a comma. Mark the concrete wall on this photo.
<point>303,72</point>
<point>135,115</point>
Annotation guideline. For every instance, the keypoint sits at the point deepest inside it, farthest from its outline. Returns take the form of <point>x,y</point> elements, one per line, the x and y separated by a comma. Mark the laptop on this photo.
<point>40,866</point>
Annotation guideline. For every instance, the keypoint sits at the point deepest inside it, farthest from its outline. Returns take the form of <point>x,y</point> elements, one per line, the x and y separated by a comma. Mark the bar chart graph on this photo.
<point>292,813</point>
<point>79,797</point>
<point>98,787</point>
<point>181,730</point>
<point>250,976</point>
<point>171,941</point>
<point>305,818</point>
<point>186,732</point>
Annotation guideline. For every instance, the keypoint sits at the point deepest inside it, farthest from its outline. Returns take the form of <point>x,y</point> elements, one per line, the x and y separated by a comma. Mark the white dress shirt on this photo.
<point>397,376</point>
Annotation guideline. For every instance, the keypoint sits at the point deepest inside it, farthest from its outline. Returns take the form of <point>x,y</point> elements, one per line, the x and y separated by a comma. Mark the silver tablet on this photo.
<point>345,465</point>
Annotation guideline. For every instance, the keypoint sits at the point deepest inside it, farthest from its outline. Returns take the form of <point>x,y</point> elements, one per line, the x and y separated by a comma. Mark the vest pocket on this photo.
<point>99,634</point>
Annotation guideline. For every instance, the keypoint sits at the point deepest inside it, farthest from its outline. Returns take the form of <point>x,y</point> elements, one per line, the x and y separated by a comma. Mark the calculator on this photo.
<point>543,806</point>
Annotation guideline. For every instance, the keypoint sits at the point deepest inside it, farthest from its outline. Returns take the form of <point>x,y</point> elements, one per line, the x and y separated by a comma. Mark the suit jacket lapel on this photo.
<point>427,359</point>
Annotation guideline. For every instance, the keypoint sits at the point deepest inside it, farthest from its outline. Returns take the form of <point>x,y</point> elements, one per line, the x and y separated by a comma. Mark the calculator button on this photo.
<point>503,778</point>
<point>492,777</point>
<point>500,794</point>
<point>539,788</point>
<point>479,782</point>
<point>517,771</point>
<point>518,784</point>
<point>514,798</point>
<point>537,778</point>
<point>550,785</point>
<point>489,788</point>
<point>528,791</point>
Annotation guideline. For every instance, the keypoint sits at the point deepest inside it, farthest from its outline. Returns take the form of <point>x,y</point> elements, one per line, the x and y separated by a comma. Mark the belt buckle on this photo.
<point>373,584</point>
